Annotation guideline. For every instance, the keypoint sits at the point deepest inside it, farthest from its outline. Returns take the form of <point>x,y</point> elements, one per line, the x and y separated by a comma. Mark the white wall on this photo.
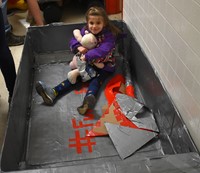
<point>169,33</point>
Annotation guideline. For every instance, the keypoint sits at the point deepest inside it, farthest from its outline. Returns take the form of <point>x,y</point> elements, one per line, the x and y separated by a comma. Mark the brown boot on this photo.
<point>88,103</point>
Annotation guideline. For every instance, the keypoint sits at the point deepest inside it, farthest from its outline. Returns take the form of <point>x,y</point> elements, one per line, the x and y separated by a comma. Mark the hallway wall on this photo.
<point>169,33</point>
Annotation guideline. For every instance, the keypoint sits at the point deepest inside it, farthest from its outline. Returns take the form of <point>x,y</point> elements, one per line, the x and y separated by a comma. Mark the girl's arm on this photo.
<point>35,11</point>
<point>75,46</point>
<point>82,49</point>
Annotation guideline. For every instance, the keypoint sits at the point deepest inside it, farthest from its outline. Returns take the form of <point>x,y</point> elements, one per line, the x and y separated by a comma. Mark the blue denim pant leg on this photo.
<point>7,65</point>
<point>5,18</point>
<point>63,87</point>
<point>96,82</point>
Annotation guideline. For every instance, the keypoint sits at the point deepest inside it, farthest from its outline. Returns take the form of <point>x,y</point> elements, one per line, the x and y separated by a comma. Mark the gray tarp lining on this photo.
<point>40,136</point>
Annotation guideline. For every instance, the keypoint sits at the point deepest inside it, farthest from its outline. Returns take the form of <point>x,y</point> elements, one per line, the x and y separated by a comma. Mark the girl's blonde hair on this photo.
<point>99,11</point>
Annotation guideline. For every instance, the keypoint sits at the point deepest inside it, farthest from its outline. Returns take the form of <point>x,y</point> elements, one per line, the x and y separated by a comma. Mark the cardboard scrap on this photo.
<point>112,115</point>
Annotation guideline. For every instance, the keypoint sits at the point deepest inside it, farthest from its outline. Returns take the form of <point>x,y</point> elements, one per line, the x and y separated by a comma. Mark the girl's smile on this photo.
<point>95,24</point>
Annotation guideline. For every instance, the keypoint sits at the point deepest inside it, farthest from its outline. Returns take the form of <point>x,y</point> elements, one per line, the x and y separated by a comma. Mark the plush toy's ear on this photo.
<point>77,35</point>
<point>86,32</point>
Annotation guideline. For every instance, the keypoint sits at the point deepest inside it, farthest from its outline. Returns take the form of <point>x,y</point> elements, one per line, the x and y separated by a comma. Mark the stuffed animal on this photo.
<point>88,41</point>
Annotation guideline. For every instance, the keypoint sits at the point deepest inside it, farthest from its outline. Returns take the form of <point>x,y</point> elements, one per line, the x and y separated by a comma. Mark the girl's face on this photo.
<point>95,24</point>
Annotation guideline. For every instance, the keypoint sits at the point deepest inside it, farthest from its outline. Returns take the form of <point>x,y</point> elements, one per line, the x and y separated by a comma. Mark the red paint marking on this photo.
<point>113,87</point>
<point>88,116</point>
<point>80,142</point>
<point>83,89</point>
<point>130,91</point>
<point>80,124</point>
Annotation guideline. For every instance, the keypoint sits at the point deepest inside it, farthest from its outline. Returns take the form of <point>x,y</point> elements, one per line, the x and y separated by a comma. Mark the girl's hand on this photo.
<point>82,50</point>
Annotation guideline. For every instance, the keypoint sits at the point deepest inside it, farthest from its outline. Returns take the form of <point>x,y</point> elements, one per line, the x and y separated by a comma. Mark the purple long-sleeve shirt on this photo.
<point>104,49</point>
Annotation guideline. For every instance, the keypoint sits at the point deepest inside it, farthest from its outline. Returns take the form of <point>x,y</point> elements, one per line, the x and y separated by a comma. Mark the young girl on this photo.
<point>106,34</point>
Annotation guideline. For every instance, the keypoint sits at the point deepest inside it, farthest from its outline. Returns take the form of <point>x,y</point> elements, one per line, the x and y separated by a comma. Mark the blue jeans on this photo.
<point>5,18</point>
<point>7,65</point>
<point>94,84</point>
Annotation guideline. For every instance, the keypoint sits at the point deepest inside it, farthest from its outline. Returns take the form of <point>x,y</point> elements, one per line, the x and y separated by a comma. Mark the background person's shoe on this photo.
<point>14,40</point>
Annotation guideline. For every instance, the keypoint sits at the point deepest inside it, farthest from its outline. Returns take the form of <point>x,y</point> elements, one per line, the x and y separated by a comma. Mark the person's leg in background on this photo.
<point>86,4</point>
<point>12,40</point>
<point>52,11</point>
<point>35,16</point>
<point>7,65</point>
<point>98,3</point>
<point>4,11</point>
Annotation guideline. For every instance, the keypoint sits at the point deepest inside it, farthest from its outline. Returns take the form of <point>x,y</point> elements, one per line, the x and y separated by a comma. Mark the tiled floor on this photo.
<point>70,16</point>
